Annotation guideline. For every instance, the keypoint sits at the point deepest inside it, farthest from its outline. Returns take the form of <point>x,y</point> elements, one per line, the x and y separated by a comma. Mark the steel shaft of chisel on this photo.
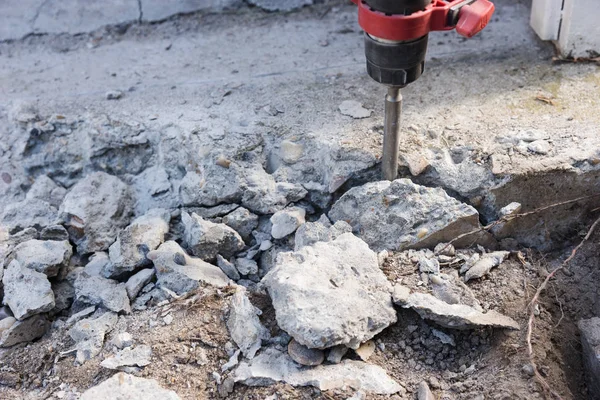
<point>391,133</point>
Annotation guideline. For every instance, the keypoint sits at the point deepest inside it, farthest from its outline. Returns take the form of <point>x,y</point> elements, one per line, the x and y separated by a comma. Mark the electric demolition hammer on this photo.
<point>396,33</point>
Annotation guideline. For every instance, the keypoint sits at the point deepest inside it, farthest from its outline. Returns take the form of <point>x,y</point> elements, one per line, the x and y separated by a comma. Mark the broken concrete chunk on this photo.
<point>242,221</point>
<point>24,331</point>
<point>349,296</point>
<point>26,292</point>
<point>590,344</point>
<point>45,256</point>
<point>94,211</point>
<point>453,291</point>
<point>28,213</point>
<point>423,392</point>
<point>144,234</point>
<point>125,386</point>
<point>456,316</point>
<point>46,189</point>
<point>96,263</point>
<point>138,356</point>
<point>64,293</point>
<point>290,152</point>
<point>400,214</point>
<point>428,265</point>
<point>285,222</point>
<point>265,196</point>
<point>243,324</point>
<point>246,266</point>
<point>122,340</point>
<point>206,239</point>
<point>485,264</point>
<point>180,273</point>
<point>228,268</point>
<point>354,109</point>
<point>212,185</point>
<point>303,355</point>
<point>96,290</point>
<point>138,281</point>
<point>280,5</point>
<point>275,366</point>
<point>89,333</point>
<point>319,231</point>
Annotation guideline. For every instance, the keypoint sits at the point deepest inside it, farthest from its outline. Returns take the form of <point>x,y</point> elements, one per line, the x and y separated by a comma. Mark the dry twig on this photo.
<point>534,302</point>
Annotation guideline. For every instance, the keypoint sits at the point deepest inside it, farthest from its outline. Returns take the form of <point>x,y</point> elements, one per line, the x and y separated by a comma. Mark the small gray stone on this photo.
<point>336,353</point>
<point>428,265</point>
<point>138,281</point>
<point>125,386</point>
<point>303,355</point>
<point>64,293</point>
<point>25,331</point>
<point>290,152</point>
<point>243,324</point>
<point>138,356</point>
<point>28,213</point>
<point>26,292</point>
<point>144,234</point>
<point>180,273</point>
<point>80,315</point>
<point>246,266</point>
<point>445,249</point>
<point>122,340</point>
<point>113,95</point>
<point>228,268</point>
<point>95,209</point>
<point>485,264</point>
<point>539,147</point>
<point>46,189</point>
<point>207,239</point>
<point>242,221</point>
<point>354,109</point>
<point>285,222</point>
<point>263,195</point>
<point>89,333</point>
<point>96,264</point>
<point>54,232</point>
<point>96,290</point>
<point>47,257</point>
<point>211,185</point>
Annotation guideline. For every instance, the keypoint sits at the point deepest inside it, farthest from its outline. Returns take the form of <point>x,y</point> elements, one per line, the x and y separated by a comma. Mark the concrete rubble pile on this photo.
<point>86,247</point>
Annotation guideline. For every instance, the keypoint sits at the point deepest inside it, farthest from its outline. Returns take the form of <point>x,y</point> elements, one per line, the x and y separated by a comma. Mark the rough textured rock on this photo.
<point>303,355</point>
<point>336,353</point>
<point>243,324</point>
<point>96,290</point>
<point>122,340</point>
<point>94,211</point>
<point>153,189</point>
<point>54,232</point>
<point>228,268</point>
<point>485,264</point>
<point>26,292</point>
<point>453,291</point>
<point>47,257</point>
<point>64,294</point>
<point>246,266</point>
<point>280,5</point>
<point>206,239</point>
<point>212,185</point>
<point>180,273</point>
<point>89,333</point>
<point>242,221</point>
<point>28,213</point>
<point>144,234</point>
<point>590,344</point>
<point>273,366</point>
<point>25,331</point>
<point>285,222</point>
<point>138,356</point>
<point>456,316</point>
<point>263,195</point>
<point>124,386</point>
<point>46,189</point>
<point>319,231</point>
<point>400,214</point>
<point>331,293</point>
<point>138,281</point>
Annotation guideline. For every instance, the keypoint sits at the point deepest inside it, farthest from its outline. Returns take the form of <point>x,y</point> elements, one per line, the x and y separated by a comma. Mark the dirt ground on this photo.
<point>305,63</point>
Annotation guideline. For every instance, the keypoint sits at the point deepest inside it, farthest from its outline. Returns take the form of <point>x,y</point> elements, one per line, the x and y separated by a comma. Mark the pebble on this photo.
<point>528,370</point>
<point>336,353</point>
<point>114,95</point>
<point>366,350</point>
<point>305,356</point>
<point>285,222</point>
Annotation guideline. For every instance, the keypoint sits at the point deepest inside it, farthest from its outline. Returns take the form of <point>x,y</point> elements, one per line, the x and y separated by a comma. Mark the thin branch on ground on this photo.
<point>532,308</point>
